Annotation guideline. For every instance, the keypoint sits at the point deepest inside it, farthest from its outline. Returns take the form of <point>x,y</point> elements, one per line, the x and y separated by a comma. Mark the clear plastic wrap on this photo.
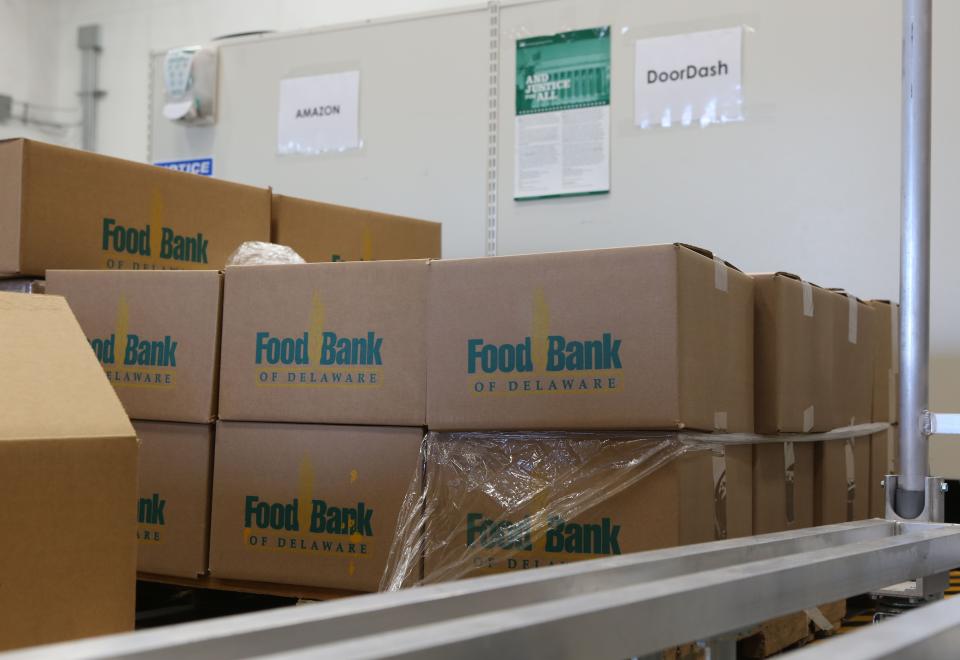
<point>258,253</point>
<point>531,480</point>
<point>492,501</point>
<point>21,285</point>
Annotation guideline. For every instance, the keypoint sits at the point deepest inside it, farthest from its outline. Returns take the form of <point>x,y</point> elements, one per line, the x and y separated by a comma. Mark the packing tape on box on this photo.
<point>892,452</point>
<point>850,466</point>
<point>720,420</point>
<point>818,619</point>
<point>719,274</point>
<point>807,289</point>
<point>891,393</point>
<point>808,420</point>
<point>895,338</point>
<point>720,495</point>
<point>789,480</point>
<point>494,501</point>
<point>853,319</point>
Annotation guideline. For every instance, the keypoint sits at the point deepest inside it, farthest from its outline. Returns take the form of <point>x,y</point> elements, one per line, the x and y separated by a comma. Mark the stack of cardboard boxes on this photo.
<point>322,399</point>
<point>815,352</point>
<point>157,339</point>
<point>157,336</point>
<point>641,339</point>
<point>323,377</point>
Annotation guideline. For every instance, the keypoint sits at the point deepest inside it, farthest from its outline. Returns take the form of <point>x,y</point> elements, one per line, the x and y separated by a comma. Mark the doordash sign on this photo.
<point>688,79</point>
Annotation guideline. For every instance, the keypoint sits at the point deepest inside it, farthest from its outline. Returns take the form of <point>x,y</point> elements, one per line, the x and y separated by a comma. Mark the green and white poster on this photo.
<point>562,136</point>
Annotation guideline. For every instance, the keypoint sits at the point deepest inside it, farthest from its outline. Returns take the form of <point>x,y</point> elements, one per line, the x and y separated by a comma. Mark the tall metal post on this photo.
<point>914,257</point>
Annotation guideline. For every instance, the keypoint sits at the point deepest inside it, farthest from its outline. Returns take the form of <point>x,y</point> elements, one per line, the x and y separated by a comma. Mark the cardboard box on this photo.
<point>63,208</point>
<point>157,335</point>
<point>884,450</point>
<point>657,337</point>
<point>173,510</point>
<point>841,481</point>
<point>886,384</point>
<point>814,357</point>
<point>783,482</point>
<point>471,501</point>
<point>326,343</point>
<point>326,232</point>
<point>308,504</point>
<point>68,482</point>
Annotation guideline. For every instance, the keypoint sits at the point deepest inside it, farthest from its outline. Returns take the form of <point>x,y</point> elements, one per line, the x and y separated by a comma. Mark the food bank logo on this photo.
<point>151,518</point>
<point>130,359</point>
<point>152,241</point>
<point>318,356</point>
<point>562,542</point>
<point>544,361</point>
<point>310,523</point>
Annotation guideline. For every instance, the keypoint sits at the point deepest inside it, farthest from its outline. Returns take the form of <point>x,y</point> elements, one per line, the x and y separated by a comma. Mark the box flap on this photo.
<point>783,273</point>
<point>51,384</point>
<point>706,253</point>
<point>844,292</point>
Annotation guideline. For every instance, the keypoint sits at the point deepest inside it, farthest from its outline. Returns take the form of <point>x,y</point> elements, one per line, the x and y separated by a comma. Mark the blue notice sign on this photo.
<point>201,166</point>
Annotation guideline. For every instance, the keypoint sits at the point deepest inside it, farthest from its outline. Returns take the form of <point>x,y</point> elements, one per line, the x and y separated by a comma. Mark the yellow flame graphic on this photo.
<point>316,325</point>
<point>123,325</point>
<point>156,222</point>
<point>367,245</point>
<point>305,493</point>
<point>352,568</point>
<point>354,475</point>
<point>540,330</point>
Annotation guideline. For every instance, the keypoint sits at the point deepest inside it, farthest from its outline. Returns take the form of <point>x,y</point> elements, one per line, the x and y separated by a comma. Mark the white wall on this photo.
<point>39,62</point>
<point>130,29</point>
<point>28,64</point>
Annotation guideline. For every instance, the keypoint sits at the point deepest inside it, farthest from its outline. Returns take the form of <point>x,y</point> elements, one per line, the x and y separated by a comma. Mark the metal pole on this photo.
<point>88,41</point>
<point>914,256</point>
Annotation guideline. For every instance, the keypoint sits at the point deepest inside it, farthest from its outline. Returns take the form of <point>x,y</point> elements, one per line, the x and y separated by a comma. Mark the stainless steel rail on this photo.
<point>615,607</point>
<point>930,632</point>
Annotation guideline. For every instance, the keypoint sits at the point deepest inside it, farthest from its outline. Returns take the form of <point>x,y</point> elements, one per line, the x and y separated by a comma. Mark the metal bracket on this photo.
<point>940,423</point>
<point>933,506</point>
<point>924,588</point>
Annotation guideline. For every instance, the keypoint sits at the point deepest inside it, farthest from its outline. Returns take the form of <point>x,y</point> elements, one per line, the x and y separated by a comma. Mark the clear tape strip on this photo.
<point>719,274</point>
<point>720,420</point>
<point>789,478</point>
<point>850,466</point>
<point>853,319</point>
<point>891,451</point>
<point>720,495</point>
<point>808,419</point>
<point>895,339</point>
<point>891,393</point>
<point>807,298</point>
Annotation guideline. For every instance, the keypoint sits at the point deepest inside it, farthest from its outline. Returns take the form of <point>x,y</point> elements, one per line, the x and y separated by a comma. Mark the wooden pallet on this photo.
<point>249,587</point>
<point>789,631</point>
